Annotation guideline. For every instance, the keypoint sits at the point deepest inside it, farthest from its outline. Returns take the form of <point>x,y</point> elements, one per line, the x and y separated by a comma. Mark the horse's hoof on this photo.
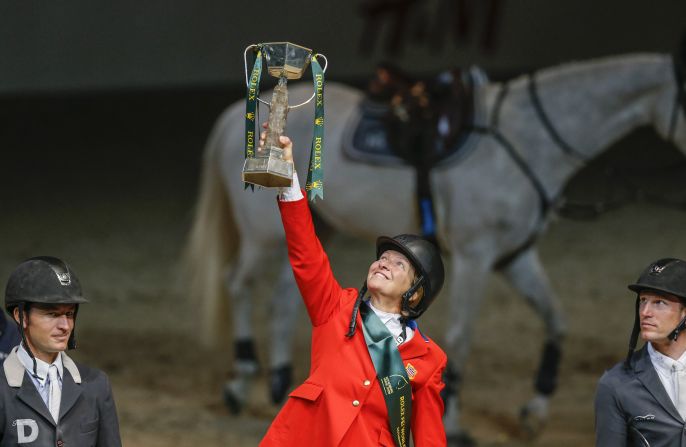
<point>233,399</point>
<point>280,380</point>
<point>533,417</point>
<point>461,439</point>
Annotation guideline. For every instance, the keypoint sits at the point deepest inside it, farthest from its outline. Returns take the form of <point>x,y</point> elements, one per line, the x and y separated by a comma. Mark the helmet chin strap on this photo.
<point>675,333</point>
<point>22,307</point>
<point>634,336</point>
<point>405,308</point>
<point>71,343</point>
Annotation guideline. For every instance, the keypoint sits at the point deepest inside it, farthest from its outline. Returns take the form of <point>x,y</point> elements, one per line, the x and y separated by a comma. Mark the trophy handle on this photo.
<point>245,62</point>
<point>278,110</point>
<point>326,64</point>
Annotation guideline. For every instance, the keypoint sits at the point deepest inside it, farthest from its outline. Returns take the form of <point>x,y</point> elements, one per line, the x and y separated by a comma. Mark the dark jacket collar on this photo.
<point>646,374</point>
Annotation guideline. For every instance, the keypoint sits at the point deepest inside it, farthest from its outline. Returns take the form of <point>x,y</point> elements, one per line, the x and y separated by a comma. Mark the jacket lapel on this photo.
<point>29,395</point>
<point>17,377</point>
<point>71,388</point>
<point>645,371</point>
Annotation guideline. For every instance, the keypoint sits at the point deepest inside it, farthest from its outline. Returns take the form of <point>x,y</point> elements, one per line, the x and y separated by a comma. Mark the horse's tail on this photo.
<point>212,243</point>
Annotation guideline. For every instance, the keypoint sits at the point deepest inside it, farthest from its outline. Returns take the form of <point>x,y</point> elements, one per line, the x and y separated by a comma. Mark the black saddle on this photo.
<point>366,138</point>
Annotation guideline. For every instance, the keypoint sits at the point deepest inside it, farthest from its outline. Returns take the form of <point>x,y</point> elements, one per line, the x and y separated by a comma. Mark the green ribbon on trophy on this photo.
<point>251,111</point>
<point>391,373</point>
<point>315,174</point>
<point>265,166</point>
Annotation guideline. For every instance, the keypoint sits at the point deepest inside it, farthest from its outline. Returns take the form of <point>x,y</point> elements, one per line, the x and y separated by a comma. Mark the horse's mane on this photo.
<point>603,66</point>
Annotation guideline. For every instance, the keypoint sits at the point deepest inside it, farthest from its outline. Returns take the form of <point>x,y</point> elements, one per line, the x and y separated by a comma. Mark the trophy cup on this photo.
<point>265,166</point>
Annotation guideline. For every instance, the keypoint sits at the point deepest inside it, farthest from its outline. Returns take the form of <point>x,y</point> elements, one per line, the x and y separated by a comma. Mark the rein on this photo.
<point>554,134</point>
<point>492,130</point>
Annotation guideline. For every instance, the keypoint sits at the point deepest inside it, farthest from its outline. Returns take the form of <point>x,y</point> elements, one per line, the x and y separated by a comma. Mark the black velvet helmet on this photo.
<point>42,280</point>
<point>426,259</point>
<point>666,275</point>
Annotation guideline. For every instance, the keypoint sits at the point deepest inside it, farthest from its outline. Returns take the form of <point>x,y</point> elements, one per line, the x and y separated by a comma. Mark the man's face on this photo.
<point>48,328</point>
<point>390,275</point>
<point>659,314</point>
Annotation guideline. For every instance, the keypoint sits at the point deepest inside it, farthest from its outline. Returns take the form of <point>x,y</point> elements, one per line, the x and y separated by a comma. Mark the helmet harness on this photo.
<point>42,280</point>
<point>666,275</point>
<point>425,258</point>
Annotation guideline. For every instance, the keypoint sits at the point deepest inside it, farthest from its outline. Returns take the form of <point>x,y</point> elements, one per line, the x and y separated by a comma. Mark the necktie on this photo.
<point>55,393</point>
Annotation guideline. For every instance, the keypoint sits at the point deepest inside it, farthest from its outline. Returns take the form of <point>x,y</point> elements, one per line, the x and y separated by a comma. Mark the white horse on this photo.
<point>489,206</point>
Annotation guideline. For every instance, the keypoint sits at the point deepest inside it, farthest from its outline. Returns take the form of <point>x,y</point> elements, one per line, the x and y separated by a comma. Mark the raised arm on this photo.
<point>311,268</point>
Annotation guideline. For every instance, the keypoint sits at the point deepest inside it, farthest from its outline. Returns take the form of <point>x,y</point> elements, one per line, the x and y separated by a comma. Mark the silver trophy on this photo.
<point>265,166</point>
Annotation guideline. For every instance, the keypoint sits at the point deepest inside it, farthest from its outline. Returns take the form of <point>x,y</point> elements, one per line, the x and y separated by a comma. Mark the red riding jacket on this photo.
<point>340,403</point>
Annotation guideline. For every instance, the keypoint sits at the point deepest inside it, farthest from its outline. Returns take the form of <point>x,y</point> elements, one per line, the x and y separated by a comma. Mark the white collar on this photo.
<point>385,317</point>
<point>41,366</point>
<point>392,322</point>
<point>664,362</point>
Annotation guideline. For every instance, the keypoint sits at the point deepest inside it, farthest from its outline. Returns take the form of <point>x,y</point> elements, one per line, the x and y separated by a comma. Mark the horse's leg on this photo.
<point>285,306</point>
<point>467,280</point>
<point>240,286</point>
<point>527,276</point>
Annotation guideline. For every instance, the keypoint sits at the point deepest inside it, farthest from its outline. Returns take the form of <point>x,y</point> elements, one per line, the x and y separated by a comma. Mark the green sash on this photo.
<point>391,373</point>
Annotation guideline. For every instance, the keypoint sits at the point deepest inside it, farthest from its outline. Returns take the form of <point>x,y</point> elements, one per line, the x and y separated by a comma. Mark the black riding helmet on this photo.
<point>667,275</point>
<point>42,280</point>
<point>427,262</point>
<point>426,259</point>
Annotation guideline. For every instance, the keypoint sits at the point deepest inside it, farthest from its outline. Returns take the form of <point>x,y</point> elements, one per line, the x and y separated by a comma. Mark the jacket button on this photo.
<point>367,382</point>
<point>356,403</point>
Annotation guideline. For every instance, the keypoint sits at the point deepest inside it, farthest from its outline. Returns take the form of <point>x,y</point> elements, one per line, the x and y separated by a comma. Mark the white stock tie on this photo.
<point>55,395</point>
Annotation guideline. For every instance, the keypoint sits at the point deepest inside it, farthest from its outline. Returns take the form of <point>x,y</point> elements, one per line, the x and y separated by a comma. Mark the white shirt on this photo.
<point>665,367</point>
<point>40,380</point>
<point>293,192</point>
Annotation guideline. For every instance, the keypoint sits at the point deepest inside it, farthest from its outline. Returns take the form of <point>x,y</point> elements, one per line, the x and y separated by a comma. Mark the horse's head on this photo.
<point>425,117</point>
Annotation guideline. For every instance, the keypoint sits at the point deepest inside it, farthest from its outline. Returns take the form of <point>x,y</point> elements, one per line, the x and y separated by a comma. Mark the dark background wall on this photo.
<point>85,45</point>
<point>102,100</point>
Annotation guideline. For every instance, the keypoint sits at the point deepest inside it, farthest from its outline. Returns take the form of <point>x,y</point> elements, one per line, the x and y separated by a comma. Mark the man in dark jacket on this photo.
<point>45,398</point>
<point>642,401</point>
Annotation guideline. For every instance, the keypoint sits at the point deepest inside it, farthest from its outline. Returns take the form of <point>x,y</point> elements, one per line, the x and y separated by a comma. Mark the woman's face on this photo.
<point>391,275</point>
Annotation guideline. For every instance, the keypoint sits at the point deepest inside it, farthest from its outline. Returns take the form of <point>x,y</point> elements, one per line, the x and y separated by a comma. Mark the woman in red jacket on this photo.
<point>374,377</point>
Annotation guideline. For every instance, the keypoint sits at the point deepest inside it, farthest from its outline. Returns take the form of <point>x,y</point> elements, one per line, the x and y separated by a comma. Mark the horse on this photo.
<point>531,135</point>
